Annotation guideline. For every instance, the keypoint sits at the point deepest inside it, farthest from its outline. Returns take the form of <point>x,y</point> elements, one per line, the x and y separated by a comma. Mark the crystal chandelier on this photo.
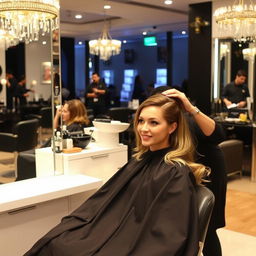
<point>237,20</point>
<point>249,54</point>
<point>7,39</point>
<point>105,46</point>
<point>27,19</point>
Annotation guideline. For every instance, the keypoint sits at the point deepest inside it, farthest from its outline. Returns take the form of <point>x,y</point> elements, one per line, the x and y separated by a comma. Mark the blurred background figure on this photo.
<point>139,92</point>
<point>96,95</point>
<point>11,87</point>
<point>22,92</point>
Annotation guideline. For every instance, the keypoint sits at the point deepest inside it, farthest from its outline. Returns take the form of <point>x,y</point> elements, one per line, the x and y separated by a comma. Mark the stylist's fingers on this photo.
<point>174,93</point>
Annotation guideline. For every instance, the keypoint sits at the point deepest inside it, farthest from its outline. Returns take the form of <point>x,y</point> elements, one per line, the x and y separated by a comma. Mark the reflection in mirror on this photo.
<point>56,98</point>
<point>228,59</point>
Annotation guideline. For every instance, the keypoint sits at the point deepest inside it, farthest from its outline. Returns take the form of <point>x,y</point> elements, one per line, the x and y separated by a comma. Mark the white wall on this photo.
<point>35,54</point>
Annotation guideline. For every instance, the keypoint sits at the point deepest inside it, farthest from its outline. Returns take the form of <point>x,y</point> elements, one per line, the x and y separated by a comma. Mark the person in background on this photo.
<point>207,135</point>
<point>236,92</point>
<point>149,206</point>
<point>22,91</point>
<point>138,89</point>
<point>11,87</point>
<point>96,95</point>
<point>74,116</point>
<point>149,89</point>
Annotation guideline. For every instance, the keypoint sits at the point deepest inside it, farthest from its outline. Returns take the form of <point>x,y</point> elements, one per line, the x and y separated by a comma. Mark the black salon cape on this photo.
<point>147,208</point>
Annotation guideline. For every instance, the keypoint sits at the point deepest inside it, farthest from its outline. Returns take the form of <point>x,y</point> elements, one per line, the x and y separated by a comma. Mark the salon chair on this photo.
<point>24,137</point>
<point>26,165</point>
<point>233,156</point>
<point>206,201</point>
<point>122,114</point>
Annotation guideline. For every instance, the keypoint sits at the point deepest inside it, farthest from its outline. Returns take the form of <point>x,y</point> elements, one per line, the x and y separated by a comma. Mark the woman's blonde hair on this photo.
<point>77,112</point>
<point>181,143</point>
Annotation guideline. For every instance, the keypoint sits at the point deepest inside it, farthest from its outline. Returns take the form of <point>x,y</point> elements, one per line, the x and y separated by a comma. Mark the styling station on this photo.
<point>30,208</point>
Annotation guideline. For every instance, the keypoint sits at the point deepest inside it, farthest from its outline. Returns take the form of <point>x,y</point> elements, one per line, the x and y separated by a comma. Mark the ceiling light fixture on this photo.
<point>237,21</point>
<point>168,2</point>
<point>26,19</point>
<point>106,7</point>
<point>105,46</point>
<point>78,16</point>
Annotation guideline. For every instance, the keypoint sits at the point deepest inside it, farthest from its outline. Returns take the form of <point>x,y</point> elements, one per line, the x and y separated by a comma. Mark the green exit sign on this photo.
<point>150,41</point>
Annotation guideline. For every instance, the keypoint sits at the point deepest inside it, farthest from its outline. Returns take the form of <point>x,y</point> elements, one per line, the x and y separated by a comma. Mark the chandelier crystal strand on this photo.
<point>7,39</point>
<point>105,46</point>
<point>238,20</point>
<point>27,19</point>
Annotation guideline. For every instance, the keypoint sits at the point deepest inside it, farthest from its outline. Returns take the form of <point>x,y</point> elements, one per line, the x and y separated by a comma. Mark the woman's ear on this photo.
<point>172,127</point>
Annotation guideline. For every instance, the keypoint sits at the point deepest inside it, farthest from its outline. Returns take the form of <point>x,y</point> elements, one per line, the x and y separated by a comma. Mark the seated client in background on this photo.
<point>74,116</point>
<point>149,206</point>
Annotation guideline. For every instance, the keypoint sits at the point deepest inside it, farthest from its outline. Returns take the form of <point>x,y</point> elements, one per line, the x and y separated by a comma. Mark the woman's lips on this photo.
<point>145,137</point>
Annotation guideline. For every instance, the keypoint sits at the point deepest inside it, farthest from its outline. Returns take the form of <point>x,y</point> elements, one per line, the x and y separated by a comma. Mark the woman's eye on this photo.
<point>154,122</point>
<point>140,121</point>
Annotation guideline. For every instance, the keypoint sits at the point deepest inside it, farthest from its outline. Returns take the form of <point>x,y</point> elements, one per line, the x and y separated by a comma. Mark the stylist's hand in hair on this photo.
<point>173,93</point>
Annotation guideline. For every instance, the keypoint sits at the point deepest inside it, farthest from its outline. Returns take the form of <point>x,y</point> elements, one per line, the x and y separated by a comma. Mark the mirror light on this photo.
<point>249,54</point>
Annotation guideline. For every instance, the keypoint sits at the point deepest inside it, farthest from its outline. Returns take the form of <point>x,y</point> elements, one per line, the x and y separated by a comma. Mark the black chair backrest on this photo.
<point>122,114</point>
<point>26,165</point>
<point>27,132</point>
<point>205,200</point>
<point>233,154</point>
<point>46,117</point>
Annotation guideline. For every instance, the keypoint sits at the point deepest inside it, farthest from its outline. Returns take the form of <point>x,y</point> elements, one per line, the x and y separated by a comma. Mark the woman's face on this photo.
<point>153,129</point>
<point>65,113</point>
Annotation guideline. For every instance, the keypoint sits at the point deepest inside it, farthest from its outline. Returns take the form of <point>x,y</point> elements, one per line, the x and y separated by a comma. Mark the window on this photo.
<point>108,76</point>
<point>161,77</point>
<point>127,87</point>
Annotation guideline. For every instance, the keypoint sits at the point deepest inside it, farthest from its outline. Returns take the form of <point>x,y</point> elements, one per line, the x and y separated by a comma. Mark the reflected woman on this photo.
<point>149,206</point>
<point>74,116</point>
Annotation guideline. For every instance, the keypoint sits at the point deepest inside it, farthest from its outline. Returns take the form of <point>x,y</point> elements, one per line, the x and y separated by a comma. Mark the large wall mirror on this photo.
<point>229,56</point>
<point>41,68</point>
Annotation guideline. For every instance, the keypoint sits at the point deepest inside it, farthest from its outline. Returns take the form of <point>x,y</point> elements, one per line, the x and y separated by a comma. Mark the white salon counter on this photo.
<point>95,160</point>
<point>30,208</point>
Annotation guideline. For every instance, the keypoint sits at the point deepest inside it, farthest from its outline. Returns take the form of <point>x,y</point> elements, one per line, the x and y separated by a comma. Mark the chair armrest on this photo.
<point>8,142</point>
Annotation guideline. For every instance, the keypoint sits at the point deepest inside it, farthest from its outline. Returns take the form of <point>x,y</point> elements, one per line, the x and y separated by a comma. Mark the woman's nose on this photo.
<point>144,126</point>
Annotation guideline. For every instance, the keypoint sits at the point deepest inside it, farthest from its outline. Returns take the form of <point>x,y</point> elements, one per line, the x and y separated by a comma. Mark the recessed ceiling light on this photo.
<point>124,41</point>
<point>78,16</point>
<point>44,42</point>
<point>168,2</point>
<point>80,42</point>
<point>107,6</point>
<point>144,33</point>
<point>183,32</point>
